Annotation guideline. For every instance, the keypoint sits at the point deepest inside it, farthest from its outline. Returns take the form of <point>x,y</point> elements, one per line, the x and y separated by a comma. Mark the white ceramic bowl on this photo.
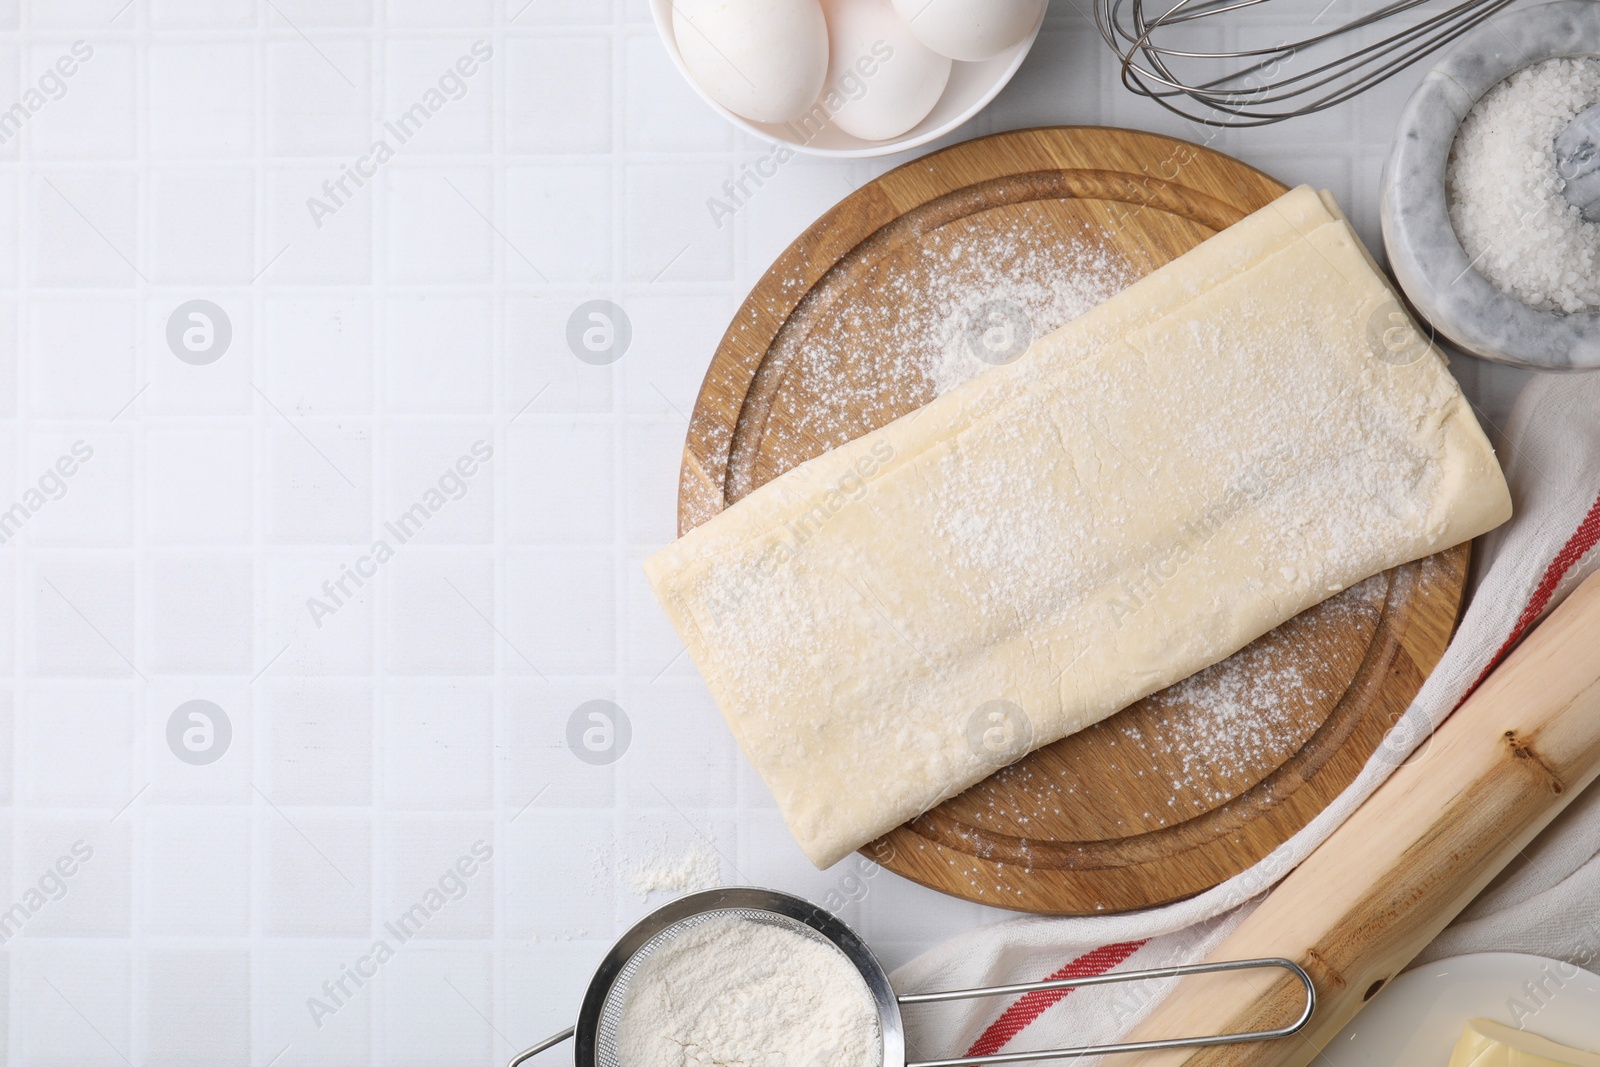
<point>971,87</point>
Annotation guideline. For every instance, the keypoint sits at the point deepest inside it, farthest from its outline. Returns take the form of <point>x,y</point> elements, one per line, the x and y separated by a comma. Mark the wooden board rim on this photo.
<point>742,350</point>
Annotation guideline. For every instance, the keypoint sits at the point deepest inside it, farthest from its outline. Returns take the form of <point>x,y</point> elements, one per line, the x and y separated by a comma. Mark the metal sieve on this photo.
<point>595,1032</point>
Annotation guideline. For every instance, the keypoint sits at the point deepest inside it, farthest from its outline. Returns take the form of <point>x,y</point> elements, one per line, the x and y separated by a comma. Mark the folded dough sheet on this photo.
<point>1220,446</point>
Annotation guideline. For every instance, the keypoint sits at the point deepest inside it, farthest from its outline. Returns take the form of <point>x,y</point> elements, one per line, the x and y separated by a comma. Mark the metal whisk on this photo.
<point>1165,56</point>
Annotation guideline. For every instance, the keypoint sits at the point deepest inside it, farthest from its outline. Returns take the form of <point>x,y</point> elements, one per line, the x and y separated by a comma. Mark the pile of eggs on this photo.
<point>873,68</point>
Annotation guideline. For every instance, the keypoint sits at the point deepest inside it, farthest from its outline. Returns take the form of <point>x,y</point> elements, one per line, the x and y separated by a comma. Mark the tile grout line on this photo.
<point>21,568</point>
<point>617,284</point>
<point>500,357</point>
<point>380,605</point>
<point>263,561</point>
<point>136,827</point>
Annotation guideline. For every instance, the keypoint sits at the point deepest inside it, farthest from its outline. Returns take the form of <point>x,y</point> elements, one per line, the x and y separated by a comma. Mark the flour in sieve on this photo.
<point>732,992</point>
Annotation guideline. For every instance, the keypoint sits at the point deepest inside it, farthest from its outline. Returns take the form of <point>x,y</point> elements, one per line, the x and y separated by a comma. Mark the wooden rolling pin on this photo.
<point>1413,856</point>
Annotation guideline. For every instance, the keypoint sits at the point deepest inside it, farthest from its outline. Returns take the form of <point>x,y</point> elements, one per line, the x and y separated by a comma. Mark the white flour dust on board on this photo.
<point>1219,730</point>
<point>1256,700</point>
<point>971,330</point>
<point>942,314</point>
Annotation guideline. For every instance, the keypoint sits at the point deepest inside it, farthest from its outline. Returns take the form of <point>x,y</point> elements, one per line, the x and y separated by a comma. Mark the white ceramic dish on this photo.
<point>1417,1019</point>
<point>971,87</point>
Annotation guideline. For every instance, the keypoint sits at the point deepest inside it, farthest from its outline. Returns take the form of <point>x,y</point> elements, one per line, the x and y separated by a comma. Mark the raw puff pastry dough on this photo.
<point>1144,492</point>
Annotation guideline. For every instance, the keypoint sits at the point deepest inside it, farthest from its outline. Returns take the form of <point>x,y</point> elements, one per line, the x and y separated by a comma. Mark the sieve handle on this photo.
<point>549,1042</point>
<point>1106,979</point>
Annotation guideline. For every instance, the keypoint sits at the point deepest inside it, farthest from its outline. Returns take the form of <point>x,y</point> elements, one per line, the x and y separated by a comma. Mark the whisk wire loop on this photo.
<point>1164,56</point>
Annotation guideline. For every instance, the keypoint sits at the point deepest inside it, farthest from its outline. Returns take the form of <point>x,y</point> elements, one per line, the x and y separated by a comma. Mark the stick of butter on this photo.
<point>1486,1043</point>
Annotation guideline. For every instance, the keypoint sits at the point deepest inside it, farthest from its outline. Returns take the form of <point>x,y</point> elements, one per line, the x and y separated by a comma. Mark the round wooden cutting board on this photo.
<point>875,309</point>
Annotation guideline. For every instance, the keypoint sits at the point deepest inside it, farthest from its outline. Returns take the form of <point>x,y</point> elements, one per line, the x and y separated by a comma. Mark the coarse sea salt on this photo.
<point>1505,194</point>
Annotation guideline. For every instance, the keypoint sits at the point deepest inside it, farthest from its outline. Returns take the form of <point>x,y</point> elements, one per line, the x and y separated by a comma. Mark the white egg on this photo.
<point>881,80</point>
<point>970,30</point>
<point>763,59</point>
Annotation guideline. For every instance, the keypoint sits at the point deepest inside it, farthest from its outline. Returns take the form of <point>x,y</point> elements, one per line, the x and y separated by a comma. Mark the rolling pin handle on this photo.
<point>1125,976</point>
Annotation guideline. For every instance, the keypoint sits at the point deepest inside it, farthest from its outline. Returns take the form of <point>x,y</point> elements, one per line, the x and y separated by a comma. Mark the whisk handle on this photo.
<point>549,1042</point>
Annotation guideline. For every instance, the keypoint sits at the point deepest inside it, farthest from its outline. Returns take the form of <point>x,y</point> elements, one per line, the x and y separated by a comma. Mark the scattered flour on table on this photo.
<point>1505,195</point>
<point>697,867</point>
<point>732,992</point>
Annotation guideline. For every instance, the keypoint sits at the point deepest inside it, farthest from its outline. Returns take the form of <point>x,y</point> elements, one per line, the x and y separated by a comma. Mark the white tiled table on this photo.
<point>373,743</point>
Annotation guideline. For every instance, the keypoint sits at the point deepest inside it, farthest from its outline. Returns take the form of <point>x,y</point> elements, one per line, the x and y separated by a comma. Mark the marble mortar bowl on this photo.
<point>1424,253</point>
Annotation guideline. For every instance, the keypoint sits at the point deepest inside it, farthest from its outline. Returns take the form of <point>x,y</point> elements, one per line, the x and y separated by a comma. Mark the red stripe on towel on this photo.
<point>1578,545</point>
<point>1030,1006</point>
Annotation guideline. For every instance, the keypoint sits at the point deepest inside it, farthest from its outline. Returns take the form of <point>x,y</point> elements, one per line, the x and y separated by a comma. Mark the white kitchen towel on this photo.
<point>1547,903</point>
